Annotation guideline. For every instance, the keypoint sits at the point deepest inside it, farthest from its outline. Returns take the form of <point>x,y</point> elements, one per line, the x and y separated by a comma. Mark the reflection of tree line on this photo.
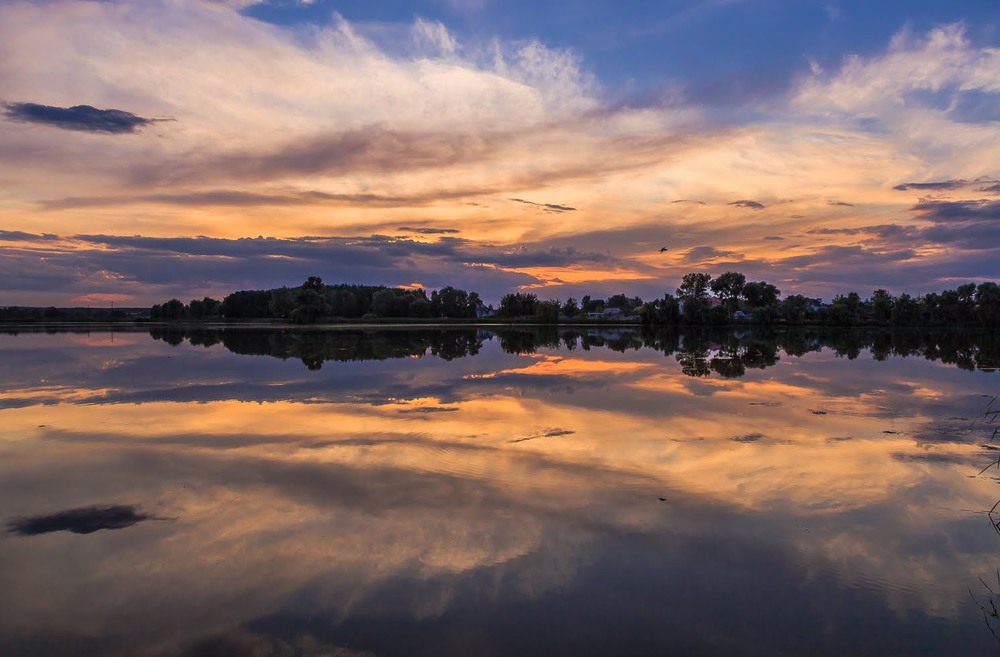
<point>721,351</point>
<point>316,347</point>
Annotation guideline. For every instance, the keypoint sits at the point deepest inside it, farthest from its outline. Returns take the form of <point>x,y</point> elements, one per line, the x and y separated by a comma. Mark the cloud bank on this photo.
<point>331,130</point>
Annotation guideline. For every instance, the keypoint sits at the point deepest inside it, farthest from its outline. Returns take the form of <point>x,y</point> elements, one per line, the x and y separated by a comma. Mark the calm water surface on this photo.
<point>415,492</point>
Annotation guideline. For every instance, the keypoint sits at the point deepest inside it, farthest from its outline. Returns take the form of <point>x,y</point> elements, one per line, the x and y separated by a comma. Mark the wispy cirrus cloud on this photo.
<point>240,198</point>
<point>427,230</point>
<point>914,96</point>
<point>546,207</point>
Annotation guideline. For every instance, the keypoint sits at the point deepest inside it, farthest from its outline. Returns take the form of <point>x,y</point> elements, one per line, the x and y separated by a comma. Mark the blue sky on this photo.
<point>545,147</point>
<point>717,50</point>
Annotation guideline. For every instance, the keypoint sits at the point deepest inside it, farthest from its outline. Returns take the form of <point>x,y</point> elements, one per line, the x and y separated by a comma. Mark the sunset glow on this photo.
<point>194,147</point>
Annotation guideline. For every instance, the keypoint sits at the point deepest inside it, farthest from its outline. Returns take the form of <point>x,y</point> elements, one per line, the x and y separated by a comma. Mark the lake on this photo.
<point>414,491</point>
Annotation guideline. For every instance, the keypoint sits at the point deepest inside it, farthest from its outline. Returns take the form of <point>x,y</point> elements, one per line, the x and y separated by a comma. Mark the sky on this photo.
<point>183,148</point>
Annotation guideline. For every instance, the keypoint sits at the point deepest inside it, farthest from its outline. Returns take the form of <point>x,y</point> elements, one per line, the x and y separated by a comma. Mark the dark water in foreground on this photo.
<point>419,492</point>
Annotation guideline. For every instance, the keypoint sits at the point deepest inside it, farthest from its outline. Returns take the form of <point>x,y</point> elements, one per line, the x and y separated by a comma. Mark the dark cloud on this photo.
<point>699,253</point>
<point>835,231</point>
<point>845,257</point>
<point>20,236</point>
<point>888,264</point>
<point>551,257</point>
<point>934,185</point>
<point>86,520</point>
<point>374,250</point>
<point>986,183</point>
<point>884,231</point>
<point>427,231</point>
<point>894,232</point>
<point>224,197</point>
<point>958,211</point>
<point>547,207</point>
<point>551,433</point>
<point>931,457</point>
<point>748,438</point>
<point>774,238</point>
<point>370,149</point>
<point>184,266</point>
<point>841,203</point>
<point>79,117</point>
<point>747,203</point>
<point>968,224</point>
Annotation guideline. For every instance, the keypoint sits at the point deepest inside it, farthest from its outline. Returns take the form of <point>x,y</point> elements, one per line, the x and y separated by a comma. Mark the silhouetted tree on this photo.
<point>795,308</point>
<point>517,304</point>
<point>988,303</point>
<point>729,288</point>
<point>881,307</point>
<point>693,293</point>
<point>173,309</point>
<point>759,294</point>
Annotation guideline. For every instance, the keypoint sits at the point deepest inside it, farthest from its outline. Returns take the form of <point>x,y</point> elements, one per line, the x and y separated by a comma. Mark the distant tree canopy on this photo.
<point>315,300</point>
<point>197,309</point>
<point>517,304</point>
<point>736,300</point>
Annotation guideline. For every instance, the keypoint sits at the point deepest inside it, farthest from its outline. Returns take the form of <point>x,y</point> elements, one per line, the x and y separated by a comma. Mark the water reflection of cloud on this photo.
<point>394,489</point>
<point>85,520</point>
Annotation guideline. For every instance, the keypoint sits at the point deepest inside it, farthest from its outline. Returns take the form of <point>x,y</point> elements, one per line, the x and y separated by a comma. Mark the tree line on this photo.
<point>700,299</point>
<point>314,300</point>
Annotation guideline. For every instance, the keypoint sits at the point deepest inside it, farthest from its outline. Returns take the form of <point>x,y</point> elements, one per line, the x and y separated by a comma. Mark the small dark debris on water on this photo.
<point>429,409</point>
<point>890,432</point>
<point>85,520</point>
<point>662,499</point>
<point>551,433</point>
<point>815,412</point>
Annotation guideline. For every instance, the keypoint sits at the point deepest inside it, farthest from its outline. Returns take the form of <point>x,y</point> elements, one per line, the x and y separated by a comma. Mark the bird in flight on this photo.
<point>662,249</point>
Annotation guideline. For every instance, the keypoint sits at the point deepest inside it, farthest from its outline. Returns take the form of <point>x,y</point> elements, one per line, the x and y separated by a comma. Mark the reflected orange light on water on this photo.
<point>356,488</point>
